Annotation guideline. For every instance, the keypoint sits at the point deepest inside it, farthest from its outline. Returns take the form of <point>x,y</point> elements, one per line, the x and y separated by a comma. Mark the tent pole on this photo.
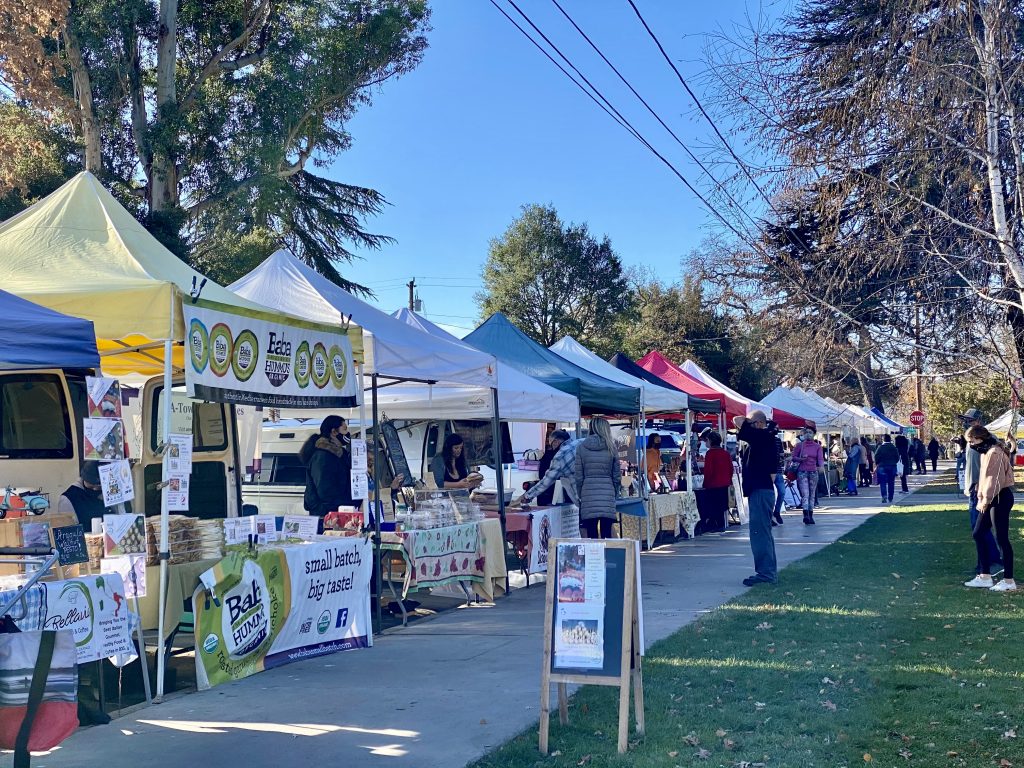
<point>499,479</point>
<point>161,660</point>
<point>376,503</point>
<point>689,452</point>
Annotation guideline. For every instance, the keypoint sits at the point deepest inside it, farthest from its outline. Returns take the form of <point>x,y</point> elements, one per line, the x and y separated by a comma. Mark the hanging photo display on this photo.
<point>177,494</point>
<point>116,482</point>
<point>132,569</point>
<point>104,439</point>
<point>360,483</point>
<point>104,397</point>
<point>124,535</point>
<point>179,455</point>
<point>579,616</point>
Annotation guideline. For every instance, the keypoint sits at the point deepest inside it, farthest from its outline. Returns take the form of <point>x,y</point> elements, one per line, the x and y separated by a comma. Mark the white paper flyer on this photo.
<point>300,526</point>
<point>124,566</point>
<point>177,494</point>
<point>179,455</point>
<point>104,439</point>
<point>124,535</point>
<point>116,482</point>
<point>104,397</point>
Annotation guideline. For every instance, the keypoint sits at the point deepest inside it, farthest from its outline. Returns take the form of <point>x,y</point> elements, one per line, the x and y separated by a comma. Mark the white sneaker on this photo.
<point>980,580</point>
<point>1006,585</point>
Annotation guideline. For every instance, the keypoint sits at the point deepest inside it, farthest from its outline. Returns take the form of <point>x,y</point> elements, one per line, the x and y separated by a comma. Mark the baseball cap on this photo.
<point>91,472</point>
<point>973,414</point>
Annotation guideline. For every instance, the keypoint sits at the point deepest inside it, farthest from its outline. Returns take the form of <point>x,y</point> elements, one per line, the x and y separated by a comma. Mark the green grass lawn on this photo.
<point>868,652</point>
<point>944,482</point>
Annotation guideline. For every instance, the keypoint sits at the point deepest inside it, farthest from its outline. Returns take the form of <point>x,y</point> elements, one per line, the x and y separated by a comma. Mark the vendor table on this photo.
<point>673,509</point>
<point>182,580</point>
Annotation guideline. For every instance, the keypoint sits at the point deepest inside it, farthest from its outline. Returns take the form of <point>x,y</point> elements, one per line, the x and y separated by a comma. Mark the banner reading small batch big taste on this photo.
<point>250,357</point>
<point>287,604</point>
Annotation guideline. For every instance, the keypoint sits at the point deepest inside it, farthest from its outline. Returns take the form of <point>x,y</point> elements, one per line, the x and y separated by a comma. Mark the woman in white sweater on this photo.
<point>995,500</point>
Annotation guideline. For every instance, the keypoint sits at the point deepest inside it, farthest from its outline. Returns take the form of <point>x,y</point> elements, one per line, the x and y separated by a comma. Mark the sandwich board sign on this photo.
<point>592,627</point>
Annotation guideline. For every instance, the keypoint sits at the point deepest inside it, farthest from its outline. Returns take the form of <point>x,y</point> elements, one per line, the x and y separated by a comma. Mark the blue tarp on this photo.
<point>497,336</point>
<point>887,420</point>
<point>32,336</point>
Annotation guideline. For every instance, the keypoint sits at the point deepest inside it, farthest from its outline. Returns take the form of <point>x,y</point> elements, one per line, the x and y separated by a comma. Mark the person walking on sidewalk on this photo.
<point>867,463</point>
<point>886,459</point>
<point>780,482</point>
<point>995,500</point>
<point>853,456</point>
<point>903,446</point>
<point>808,459</point>
<point>920,456</point>
<point>972,472</point>
<point>760,465</point>
<point>933,453</point>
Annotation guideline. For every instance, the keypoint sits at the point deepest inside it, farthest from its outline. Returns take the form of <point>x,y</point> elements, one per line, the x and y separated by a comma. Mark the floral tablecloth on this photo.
<point>440,556</point>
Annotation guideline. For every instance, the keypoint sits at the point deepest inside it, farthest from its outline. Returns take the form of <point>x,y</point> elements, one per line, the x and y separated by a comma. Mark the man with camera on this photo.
<point>760,462</point>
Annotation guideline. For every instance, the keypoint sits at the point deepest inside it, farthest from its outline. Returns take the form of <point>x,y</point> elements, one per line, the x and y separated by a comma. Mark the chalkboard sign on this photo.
<point>69,541</point>
<point>396,454</point>
<point>592,630</point>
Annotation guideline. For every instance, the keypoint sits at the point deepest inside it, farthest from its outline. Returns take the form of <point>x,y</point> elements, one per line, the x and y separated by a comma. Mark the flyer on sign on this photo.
<point>250,357</point>
<point>104,439</point>
<point>177,494</point>
<point>94,610</point>
<point>282,605</point>
<point>124,535</point>
<point>104,397</point>
<point>579,611</point>
<point>179,455</point>
<point>541,525</point>
<point>116,482</point>
<point>360,463</point>
<point>359,485</point>
<point>300,526</point>
<point>265,527</point>
<point>237,530</point>
<point>131,569</point>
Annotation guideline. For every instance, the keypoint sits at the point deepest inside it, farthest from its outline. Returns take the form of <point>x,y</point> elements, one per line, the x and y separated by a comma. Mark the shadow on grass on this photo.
<point>871,646</point>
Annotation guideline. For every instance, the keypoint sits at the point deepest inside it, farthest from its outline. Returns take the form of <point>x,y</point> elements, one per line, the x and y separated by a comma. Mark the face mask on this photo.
<point>983,448</point>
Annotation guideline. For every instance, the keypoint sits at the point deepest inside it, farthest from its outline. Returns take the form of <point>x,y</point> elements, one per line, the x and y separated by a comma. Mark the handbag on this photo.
<point>698,482</point>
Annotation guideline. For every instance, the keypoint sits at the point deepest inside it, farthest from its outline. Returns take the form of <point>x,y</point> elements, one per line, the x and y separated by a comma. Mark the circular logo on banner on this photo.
<point>220,349</point>
<point>303,364</point>
<point>338,366</point>
<point>211,643</point>
<point>245,355</point>
<point>321,370</point>
<point>324,622</point>
<point>198,345</point>
<point>245,615</point>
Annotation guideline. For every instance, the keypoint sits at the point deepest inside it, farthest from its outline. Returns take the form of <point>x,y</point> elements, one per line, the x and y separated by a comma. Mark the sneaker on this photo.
<point>756,579</point>
<point>1006,585</point>
<point>980,581</point>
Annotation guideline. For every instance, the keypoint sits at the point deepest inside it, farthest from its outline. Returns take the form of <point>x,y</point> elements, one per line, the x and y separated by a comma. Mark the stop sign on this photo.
<point>917,418</point>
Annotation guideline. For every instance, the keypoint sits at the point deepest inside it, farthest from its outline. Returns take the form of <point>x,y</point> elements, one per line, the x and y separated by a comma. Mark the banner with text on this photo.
<point>287,604</point>
<point>250,357</point>
<point>93,609</point>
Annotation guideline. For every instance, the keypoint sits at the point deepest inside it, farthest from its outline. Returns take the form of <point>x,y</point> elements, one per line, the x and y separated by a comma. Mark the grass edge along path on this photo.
<point>869,651</point>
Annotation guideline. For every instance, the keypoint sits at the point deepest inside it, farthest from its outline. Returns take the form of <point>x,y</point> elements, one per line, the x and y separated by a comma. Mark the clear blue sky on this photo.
<point>487,124</point>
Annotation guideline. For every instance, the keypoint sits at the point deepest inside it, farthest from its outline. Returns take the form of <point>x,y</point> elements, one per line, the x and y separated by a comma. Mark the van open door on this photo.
<point>215,485</point>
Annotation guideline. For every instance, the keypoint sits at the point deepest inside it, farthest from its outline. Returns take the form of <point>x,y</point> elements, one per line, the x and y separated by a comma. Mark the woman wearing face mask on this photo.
<point>995,500</point>
<point>84,498</point>
<point>449,466</point>
<point>807,459</point>
<point>328,462</point>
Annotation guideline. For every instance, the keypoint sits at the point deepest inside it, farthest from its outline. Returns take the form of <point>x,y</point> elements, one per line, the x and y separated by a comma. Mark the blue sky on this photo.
<point>486,124</point>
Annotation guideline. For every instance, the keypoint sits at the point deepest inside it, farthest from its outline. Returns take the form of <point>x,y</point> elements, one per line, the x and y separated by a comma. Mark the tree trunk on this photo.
<point>163,179</point>
<point>83,97</point>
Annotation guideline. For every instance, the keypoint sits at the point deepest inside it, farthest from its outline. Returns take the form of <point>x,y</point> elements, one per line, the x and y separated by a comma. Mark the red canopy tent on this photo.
<point>665,369</point>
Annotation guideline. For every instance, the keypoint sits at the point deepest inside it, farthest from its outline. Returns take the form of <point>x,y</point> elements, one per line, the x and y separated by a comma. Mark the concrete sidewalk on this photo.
<point>440,693</point>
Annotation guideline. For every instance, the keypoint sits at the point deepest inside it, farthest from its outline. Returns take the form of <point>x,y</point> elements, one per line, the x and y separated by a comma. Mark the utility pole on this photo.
<point>412,301</point>
<point>917,361</point>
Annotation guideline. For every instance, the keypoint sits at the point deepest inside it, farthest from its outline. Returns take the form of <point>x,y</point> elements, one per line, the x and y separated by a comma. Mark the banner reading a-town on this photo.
<point>286,604</point>
<point>251,357</point>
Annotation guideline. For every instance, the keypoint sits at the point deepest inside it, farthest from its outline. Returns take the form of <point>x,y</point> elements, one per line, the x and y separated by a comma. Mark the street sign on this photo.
<point>917,418</point>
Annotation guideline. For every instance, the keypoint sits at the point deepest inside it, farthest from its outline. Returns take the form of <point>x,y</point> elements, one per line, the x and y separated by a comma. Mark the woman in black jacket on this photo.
<point>328,463</point>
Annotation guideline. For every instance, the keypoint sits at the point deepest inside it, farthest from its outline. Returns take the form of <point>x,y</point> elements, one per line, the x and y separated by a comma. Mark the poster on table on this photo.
<point>116,482</point>
<point>284,605</point>
<point>544,525</point>
<point>104,439</point>
<point>570,522</point>
<point>94,609</point>
<point>299,526</point>
<point>250,357</point>
<point>124,535</point>
<point>131,569</point>
<point>179,455</point>
<point>579,614</point>
<point>104,396</point>
<point>177,494</point>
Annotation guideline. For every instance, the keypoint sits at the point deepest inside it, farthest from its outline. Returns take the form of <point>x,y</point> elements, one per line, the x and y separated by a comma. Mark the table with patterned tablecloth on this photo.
<point>435,557</point>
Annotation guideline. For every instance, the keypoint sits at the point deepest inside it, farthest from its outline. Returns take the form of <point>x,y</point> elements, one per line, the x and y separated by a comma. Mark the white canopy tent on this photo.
<point>872,424</point>
<point>793,399</point>
<point>703,376</point>
<point>654,399</point>
<point>1001,426</point>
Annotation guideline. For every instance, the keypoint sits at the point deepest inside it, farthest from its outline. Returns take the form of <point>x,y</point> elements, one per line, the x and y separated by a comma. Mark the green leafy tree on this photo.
<point>946,400</point>
<point>210,118</point>
<point>553,279</point>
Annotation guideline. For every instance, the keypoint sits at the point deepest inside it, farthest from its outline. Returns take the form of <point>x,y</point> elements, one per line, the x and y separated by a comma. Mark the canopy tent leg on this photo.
<point>499,477</point>
<point>376,504</point>
<point>689,452</point>
<point>161,649</point>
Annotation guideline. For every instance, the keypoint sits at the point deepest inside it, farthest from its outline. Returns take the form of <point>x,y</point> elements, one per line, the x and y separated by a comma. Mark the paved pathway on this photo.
<point>440,693</point>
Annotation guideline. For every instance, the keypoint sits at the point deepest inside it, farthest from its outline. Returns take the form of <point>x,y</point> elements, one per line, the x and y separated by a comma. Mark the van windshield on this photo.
<point>34,419</point>
<point>204,421</point>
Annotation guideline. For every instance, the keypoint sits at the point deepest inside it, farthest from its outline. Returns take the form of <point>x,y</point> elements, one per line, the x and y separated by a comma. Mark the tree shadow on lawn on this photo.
<point>869,650</point>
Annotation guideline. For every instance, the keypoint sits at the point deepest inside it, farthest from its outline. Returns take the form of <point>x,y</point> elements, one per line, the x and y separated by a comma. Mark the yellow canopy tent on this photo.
<point>80,252</point>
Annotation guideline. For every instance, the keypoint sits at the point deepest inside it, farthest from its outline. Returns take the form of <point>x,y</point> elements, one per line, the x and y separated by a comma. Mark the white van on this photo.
<point>41,416</point>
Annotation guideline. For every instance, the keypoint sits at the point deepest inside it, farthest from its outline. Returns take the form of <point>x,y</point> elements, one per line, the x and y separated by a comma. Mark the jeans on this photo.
<point>807,484</point>
<point>762,542</point>
<point>993,550</point>
<point>998,515</point>
<point>887,481</point>
<point>780,494</point>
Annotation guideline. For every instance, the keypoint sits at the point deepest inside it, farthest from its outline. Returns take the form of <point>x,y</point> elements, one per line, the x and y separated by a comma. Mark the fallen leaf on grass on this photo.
<point>896,576</point>
<point>763,626</point>
<point>1010,734</point>
<point>906,754</point>
<point>674,753</point>
<point>556,753</point>
<point>702,754</point>
<point>759,705</point>
<point>691,739</point>
<point>721,732</point>
<point>1004,763</point>
<point>827,704</point>
<point>952,753</point>
<point>728,743</point>
<point>867,757</point>
<point>584,760</point>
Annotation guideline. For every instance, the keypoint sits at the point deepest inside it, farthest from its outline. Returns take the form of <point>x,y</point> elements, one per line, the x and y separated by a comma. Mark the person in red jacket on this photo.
<point>717,479</point>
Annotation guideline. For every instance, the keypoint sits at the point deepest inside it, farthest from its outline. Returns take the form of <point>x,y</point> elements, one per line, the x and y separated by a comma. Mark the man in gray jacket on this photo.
<point>972,473</point>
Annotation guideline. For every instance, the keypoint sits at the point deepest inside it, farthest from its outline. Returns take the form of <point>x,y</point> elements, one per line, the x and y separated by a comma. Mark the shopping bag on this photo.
<point>38,689</point>
<point>899,467</point>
